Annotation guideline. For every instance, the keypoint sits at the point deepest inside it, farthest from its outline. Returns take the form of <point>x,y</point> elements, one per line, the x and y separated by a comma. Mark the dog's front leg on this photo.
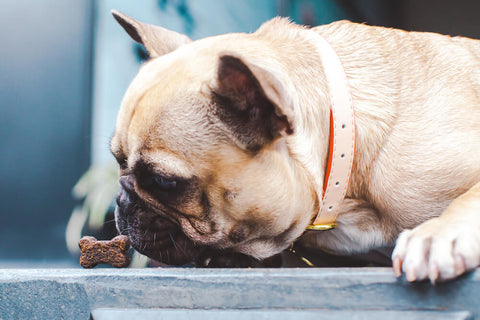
<point>445,247</point>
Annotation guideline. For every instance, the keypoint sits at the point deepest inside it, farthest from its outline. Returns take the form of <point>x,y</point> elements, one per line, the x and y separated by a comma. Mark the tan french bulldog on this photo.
<point>220,141</point>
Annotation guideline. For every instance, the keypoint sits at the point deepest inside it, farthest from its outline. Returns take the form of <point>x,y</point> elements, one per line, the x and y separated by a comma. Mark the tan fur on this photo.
<point>417,106</point>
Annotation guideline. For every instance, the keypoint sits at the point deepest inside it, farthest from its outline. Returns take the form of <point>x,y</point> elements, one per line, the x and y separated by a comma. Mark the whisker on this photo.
<point>173,240</point>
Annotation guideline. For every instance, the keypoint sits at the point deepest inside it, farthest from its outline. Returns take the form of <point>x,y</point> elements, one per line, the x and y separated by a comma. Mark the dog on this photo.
<point>223,143</point>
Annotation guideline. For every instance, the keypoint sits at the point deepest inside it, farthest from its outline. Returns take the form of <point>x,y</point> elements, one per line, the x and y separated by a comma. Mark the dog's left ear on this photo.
<point>157,40</point>
<point>252,101</point>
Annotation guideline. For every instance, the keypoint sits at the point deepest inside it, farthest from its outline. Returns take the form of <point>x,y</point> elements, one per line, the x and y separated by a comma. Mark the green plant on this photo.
<point>96,189</point>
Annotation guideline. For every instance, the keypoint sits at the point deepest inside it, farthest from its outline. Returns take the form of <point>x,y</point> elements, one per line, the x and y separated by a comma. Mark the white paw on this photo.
<point>437,250</point>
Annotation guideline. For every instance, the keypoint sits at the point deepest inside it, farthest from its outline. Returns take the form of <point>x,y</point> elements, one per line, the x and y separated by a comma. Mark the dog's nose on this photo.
<point>127,183</point>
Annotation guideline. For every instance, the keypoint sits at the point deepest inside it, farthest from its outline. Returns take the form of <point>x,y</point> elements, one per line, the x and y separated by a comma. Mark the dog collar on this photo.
<point>342,137</point>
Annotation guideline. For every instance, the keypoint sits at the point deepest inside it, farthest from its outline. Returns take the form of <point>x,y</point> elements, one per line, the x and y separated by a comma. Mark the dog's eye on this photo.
<point>122,162</point>
<point>164,184</point>
<point>121,159</point>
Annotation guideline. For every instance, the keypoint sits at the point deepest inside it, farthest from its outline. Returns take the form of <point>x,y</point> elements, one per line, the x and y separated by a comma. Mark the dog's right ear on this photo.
<point>157,40</point>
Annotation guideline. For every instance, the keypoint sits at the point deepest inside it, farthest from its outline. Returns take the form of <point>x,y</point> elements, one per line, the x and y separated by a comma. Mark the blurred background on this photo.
<point>64,66</point>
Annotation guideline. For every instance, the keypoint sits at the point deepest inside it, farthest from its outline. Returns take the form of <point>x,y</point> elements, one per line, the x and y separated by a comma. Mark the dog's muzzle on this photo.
<point>156,236</point>
<point>151,233</point>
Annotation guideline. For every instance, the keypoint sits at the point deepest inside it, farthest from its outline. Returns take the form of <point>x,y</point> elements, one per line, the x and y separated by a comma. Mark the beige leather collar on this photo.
<point>342,137</point>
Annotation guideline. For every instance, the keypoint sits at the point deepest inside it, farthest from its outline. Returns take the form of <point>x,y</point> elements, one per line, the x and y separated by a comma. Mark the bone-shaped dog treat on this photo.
<point>113,252</point>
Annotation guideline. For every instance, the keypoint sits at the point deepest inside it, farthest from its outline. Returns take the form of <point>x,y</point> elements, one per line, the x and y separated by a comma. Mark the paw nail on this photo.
<point>433,274</point>
<point>460,266</point>
<point>410,274</point>
<point>397,267</point>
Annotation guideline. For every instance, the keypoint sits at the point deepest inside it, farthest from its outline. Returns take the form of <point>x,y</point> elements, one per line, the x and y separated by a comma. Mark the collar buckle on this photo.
<point>322,227</point>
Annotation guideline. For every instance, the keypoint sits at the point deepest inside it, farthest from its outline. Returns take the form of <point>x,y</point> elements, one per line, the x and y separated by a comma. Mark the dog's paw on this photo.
<point>437,250</point>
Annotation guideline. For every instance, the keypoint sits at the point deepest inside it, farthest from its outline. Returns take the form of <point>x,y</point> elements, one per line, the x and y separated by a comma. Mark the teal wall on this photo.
<point>45,81</point>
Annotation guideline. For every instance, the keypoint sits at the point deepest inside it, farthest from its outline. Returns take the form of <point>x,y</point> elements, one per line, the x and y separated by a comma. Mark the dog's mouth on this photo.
<point>161,238</point>
<point>155,236</point>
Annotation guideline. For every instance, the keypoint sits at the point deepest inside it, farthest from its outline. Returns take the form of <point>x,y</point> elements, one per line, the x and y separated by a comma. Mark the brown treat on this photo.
<point>113,252</point>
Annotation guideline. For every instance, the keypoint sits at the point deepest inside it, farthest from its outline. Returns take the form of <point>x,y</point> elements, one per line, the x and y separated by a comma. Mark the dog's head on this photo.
<point>202,139</point>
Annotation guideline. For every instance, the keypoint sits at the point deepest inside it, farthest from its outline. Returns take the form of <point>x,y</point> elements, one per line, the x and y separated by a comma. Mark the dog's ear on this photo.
<point>253,102</point>
<point>157,40</point>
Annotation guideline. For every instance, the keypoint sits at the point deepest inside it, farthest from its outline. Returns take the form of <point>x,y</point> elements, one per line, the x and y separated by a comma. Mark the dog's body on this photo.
<point>225,137</point>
